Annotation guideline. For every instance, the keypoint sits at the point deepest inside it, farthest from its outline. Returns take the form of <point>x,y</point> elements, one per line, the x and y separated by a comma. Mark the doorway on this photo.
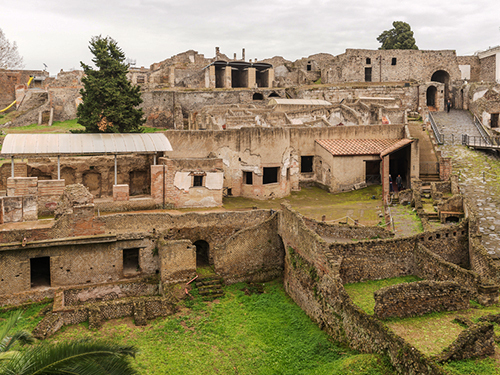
<point>202,253</point>
<point>431,96</point>
<point>40,272</point>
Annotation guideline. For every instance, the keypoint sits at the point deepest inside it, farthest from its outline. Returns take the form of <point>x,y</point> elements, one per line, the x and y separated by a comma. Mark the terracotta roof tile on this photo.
<point>344,147</point>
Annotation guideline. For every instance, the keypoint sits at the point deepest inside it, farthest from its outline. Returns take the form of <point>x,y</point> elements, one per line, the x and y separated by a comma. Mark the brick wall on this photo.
<point>177,261</point>
<point>120,192</point>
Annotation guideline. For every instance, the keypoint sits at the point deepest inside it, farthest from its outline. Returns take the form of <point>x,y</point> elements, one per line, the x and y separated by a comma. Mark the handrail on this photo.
<point>439,137</point>
<point>484,134</point>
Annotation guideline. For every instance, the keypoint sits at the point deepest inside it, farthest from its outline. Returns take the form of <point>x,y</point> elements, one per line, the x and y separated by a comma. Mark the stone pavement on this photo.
<point>479,175</point>
<point>454,124</point>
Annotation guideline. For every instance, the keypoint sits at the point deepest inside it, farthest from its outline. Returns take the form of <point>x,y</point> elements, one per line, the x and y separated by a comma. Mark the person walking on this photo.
<point>448,105</point>
<point>391,189</point>
<point>399,182</point>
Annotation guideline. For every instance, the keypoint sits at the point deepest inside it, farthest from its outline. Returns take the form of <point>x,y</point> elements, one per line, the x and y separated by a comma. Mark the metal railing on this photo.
<point>437,134</point>
<point>480,141</point>
<point>484,134</point>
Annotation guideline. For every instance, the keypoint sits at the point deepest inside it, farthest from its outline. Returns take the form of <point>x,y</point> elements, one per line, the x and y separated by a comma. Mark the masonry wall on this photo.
<point>419,298</point>
<point>312,282</point>
<point>254,254</point>
<point>9,79</point>
<point>488,68</point>
<point>346,231</point>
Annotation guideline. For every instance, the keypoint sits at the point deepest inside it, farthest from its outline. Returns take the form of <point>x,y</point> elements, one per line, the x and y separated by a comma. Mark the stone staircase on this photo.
<point>210,287</point>
<point>455,123</point>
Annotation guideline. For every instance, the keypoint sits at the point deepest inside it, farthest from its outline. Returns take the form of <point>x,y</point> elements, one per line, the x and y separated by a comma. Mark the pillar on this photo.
<point>251,78</point>
<point>270,79</point>
<point>227,77</point>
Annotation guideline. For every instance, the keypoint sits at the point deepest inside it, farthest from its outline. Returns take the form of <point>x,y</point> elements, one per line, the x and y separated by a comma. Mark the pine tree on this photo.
<point>399,37</point>
<point>109,100</point>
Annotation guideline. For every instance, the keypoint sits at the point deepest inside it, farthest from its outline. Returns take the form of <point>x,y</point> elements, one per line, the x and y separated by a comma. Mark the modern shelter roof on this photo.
<point>83,144</point>
<point>278,101</point>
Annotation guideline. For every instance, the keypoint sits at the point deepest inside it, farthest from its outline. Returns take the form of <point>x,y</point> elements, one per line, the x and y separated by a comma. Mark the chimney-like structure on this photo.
<point>217,51</point>
<point>243,54</point>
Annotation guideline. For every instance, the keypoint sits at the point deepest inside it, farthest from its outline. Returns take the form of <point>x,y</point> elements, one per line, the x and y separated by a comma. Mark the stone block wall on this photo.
<point>49,193</point>
<point>19,186</point>
<point>346,231</point>
<point>254,254</point>
<point>177,261</point>
<point>419,298</point>
<point>120,192</point>
<point>314,285</point>
<point>430,266</point>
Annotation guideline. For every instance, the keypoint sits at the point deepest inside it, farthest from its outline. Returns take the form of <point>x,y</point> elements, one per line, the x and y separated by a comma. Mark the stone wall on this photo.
<point>419,298</point>
<point>177,261</point>
<point>254,254</point>
<point>141,309</point>
<point>311,279</point>
<point>346,231</point>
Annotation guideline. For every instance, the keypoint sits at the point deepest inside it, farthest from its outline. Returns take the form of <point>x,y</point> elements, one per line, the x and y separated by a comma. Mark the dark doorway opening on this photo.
<point>431,96</point>
<point>452,219</point>
<point>202,251</point>
<point>372,169</point>
<point>270,175</point>
<point>274,95</point>
<point>306,164</point>
<point>309,66</point>
<point>258,96</point>
<point>248,178</point>
<point>368,74</point>
<point>494,120</point>
<point>40,272</point>
<point>131,261</point>
<point>220,76</point>
<point>399,165</point>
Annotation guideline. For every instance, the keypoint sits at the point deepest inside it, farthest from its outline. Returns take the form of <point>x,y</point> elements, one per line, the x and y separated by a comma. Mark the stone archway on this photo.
<point>443,77</point>
<point>431,96</point>
<point>202,253</point>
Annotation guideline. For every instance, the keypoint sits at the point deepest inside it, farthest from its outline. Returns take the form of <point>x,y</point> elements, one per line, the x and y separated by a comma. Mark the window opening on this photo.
<point>368,74</point>
<point>131,261</point>
<point>394,60</point>
<point>197,180</point>
<point>40,272</point>
<point>270,175</point>
<point>306,164</point>
<point>248,178</point>
<point>368,61</point>
<point>494,120</point>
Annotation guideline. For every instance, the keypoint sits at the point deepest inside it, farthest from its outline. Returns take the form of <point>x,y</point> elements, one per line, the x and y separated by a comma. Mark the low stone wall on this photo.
<point>30,296</point>
<point>476,341</point>
<point>347,231</point>
<point>419,298</point>
<point>253,254</point>
<point>140,308</point>
<point>430,266</point>
<point>133,204</point>
<point>108,292</point>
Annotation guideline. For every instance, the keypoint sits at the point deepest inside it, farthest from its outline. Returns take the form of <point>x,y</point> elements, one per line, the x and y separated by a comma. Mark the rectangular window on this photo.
<point>130,261</point>
<point>494,120</point>
<point>270,175</point>
<point>248,178</point>
<point>40,272</point>
<point>394,60</point>
<point>197,180</point>
<point>368,61</point>
<point>368,74</point>
<point>306,164</point>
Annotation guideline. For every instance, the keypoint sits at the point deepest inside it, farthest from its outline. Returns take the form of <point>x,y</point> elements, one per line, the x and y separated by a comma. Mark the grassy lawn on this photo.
<point>314,202</point>
<point>56,128</point>
<point>242,333</point>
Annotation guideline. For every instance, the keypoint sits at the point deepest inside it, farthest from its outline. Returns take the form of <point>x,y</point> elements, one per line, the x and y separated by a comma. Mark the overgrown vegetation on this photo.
<point>243,333</point>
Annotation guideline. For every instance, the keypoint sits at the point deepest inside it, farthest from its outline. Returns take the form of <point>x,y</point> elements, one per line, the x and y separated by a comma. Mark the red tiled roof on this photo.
<point>344,147</point>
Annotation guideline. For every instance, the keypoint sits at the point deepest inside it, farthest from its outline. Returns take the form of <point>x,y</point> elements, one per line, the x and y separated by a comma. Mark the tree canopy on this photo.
<point>9,55</point>
<point>109,101</point>
<point>399,37</point>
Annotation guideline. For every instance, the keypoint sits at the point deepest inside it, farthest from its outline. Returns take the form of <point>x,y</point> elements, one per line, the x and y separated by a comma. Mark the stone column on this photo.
<point>270,78</point>
<point>251,78</point>
<point>210,77</point>
<point>227,77</point>
<point>385,179</point>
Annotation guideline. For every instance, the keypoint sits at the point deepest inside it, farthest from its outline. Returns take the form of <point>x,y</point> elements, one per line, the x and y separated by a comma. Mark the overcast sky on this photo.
<point>57,32</point>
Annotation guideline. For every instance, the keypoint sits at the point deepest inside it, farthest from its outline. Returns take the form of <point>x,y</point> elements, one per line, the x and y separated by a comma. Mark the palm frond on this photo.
<point>7,340</point>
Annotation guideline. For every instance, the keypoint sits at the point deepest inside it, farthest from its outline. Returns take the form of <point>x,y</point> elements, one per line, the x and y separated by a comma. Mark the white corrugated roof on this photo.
<point>84,144</point>
<point>275,101</point>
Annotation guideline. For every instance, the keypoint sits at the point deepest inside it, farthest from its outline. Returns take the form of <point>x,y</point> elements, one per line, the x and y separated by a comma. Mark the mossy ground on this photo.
<point>242,333</point>
<point>430,333</point>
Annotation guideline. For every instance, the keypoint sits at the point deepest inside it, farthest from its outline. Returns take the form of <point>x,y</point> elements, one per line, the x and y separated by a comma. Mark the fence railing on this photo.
<point>484,134</point>
<point>480,141</point>
<point>437,134</point>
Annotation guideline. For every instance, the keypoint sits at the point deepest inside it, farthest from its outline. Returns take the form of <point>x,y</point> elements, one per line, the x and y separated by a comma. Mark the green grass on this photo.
<point>314,202</point>
<point>242,333</point>
<point>362,293</point>
<point>487,366</point>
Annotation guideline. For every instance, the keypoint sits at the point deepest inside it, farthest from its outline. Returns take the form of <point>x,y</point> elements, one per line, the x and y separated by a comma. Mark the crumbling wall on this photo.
<point>253,254</point>
<point>419,298</point>
<point>347,231</point>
